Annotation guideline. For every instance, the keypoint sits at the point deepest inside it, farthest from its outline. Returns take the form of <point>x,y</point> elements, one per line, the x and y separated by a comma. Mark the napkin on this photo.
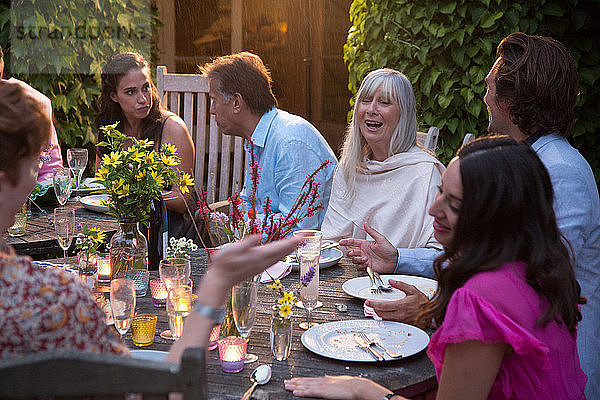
<point>370,312</point>
<point>277,271</point>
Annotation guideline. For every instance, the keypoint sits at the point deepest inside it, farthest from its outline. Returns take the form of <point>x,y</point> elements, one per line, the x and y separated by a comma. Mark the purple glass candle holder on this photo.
<point>159,293</point>
<point>214,336</point>
<point>232,351</point>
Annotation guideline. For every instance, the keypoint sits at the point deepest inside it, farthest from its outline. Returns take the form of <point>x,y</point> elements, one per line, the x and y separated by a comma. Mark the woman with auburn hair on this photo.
<point>507,304</point>
<point>130,98</point>
<point>40,309</point>
<point>383,178</point>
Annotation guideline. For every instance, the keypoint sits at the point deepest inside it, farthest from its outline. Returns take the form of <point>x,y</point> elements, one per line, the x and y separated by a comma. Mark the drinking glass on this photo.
<point>62,180</point>
<point>174,272</point>
<point>308,256</point>
<point>77,159</point>
<point>64,225</point>
<point>179,305</point>
<point>122,303</point>
<point>243,303</point>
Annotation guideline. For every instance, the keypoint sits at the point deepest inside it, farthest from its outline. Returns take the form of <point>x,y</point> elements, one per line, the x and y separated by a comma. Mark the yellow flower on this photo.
<point>112,158</point>
<point>139,176</point>
<point>149,158</point>
<point>135,155</point>
<point>285,310</point>
<point>169,149</point>
<point>288,297</point>
<point>158,179</point>
<point>169,160</point>
<point>185,180</point>
<point>102,173</point>
<point>97,235</point>
<point>123,191</point>
<point>275,285</point>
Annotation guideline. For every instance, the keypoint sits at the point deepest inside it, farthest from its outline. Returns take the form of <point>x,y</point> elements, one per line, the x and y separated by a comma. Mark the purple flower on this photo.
<point>306,278</point>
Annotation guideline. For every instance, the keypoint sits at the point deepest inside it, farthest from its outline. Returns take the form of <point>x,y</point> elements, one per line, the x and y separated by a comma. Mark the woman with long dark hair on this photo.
<point>130,98</point>
<point>507,304</point>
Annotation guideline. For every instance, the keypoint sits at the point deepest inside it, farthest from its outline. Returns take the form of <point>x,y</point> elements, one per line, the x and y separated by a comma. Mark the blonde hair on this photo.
<point>396,87</point>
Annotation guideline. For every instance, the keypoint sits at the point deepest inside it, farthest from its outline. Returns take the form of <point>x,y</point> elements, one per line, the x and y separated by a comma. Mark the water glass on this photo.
<point>309,254</point>
<point>62,181</point>
<point>64,225</point>
<point>174,271</point>
<point>77,159</point>
<point>179,305</point>
<point>122,303</point>
<point>18,228</point>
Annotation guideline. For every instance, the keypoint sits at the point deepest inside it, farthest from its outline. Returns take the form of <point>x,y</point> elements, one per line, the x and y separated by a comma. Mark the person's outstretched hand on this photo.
<point>378,254</point>
<point>403,310</point>
<point>336,387</point>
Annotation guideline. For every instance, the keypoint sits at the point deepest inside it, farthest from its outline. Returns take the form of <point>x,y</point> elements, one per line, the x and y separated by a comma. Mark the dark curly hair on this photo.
<point>24,128</point>
<point>538,76</point>
<point>110,111</point>
<point>507,215</point>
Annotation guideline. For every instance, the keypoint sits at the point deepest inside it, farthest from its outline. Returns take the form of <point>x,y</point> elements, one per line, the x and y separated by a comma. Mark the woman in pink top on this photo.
<point>507,305</point>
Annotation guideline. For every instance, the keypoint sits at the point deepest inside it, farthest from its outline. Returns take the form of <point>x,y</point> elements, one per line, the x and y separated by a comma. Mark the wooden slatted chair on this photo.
<point>429,140</point>
<point>219,163</point>
<point>75,374</point>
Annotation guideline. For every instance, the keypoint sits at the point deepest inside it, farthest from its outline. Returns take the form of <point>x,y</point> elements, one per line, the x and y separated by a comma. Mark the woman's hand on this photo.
<point>337,387</point>
<point>379,254</point>
<point>403,310</point>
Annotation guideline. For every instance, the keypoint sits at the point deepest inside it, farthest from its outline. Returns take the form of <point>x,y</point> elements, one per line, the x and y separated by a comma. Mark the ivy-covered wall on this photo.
<point>447,47</point>
<point>59,47</point>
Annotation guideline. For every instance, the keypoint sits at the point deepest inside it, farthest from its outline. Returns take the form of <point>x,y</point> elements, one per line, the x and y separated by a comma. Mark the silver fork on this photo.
<point>374,286</point>
<point>372,340</point>
<point>382,286</point>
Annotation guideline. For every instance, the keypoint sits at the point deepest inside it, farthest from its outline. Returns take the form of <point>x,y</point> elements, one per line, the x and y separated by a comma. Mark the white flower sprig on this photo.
<point>180,248</point>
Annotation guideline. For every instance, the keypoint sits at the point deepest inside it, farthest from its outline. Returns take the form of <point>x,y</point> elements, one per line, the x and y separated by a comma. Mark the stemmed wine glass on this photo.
<point>62,180</point>
<point>64,225</point>
<point>309,254</point>
<point>122,303</point>
<point>243,303</point>
<point>77,159</point>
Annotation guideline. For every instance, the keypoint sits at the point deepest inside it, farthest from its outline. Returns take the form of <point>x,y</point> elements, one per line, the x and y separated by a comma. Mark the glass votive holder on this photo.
<point>103,266</point>
<point>143,327</point>
<point>214,336</point>
<point>158,292</point>
<point>140,278</point>
<point>232,351</point>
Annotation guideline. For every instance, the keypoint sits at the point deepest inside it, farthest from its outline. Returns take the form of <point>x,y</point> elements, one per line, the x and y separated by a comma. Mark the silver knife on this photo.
<point>363,345</point>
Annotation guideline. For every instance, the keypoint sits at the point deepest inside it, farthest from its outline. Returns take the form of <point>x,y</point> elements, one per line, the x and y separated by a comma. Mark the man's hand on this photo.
<point>379,254</point>
<point>403,310</point>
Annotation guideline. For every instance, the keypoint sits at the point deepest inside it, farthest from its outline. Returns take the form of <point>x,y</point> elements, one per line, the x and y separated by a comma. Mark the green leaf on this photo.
<point>488,19</point>
<point>553,9</point>
<point>447,7</point>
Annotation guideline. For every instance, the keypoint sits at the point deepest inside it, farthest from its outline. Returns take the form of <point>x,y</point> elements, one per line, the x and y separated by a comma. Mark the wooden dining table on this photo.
<point>412,376</point>
<point>39,241</point>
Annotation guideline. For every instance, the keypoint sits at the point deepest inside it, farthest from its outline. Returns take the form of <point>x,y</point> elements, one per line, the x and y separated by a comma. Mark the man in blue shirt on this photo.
<point>531,94</point>
<point>287,148</point>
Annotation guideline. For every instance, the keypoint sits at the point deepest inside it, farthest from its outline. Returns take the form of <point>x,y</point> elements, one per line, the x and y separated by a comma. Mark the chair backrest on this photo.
<point>429,140</point>
<point>71,373</point>
<point>468,137</point>
<point>219,163</point>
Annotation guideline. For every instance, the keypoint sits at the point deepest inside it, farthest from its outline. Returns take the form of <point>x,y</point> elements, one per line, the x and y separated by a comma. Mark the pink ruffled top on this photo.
<point>500,307</point>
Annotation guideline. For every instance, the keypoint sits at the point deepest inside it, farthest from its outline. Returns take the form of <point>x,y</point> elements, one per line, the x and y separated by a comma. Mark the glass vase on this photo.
<point>228,327</point>
<point>281,335</point>
<point>88,269</point>
<point>129,256</point>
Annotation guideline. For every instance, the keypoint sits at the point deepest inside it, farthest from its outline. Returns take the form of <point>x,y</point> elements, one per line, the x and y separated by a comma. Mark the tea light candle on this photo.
<point>214,336</point>
<point>159,293</point>
<point>103,264</point>
<point>232,351</point>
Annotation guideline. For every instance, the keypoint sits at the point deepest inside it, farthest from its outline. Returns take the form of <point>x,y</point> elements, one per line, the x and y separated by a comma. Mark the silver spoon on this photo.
<point>260,376</point>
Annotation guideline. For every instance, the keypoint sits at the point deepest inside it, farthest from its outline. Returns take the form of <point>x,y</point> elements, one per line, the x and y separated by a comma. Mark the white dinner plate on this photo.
<point>150,355</point>
<point>361,287</point>
<point>88,185</point>
<point>329,257</point>
<point>335,339</point>
<point>96,202</point>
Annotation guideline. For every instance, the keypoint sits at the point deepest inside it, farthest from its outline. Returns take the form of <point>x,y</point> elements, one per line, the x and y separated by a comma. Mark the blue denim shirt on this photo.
<point>288,149</point>
<point>577,209</point>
